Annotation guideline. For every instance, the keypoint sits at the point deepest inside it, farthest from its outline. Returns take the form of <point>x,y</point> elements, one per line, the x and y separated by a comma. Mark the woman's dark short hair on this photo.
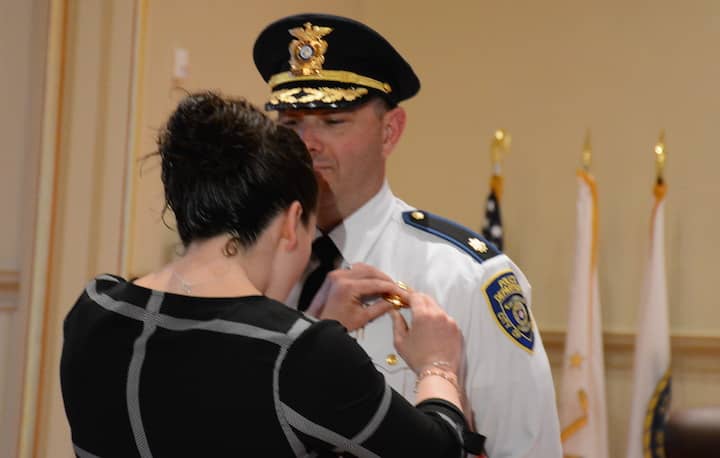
<point>228,168</point>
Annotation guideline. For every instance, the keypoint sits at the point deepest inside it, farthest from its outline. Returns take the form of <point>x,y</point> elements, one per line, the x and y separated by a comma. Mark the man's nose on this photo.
<point>309,135</point>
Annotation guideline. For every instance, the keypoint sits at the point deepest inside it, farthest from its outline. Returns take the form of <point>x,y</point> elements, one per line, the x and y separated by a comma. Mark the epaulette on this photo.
<point>470,242</point>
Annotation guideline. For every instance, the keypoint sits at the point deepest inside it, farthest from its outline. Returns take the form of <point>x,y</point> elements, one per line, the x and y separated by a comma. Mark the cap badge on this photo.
<point>307,52</point>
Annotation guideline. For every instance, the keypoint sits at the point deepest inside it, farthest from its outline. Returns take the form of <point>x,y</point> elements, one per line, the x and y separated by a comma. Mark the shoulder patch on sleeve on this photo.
<point>470,242</point>
<point>507,303</point>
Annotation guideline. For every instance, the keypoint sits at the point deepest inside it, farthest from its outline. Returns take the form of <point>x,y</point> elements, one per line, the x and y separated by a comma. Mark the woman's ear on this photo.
<point>291,225</point>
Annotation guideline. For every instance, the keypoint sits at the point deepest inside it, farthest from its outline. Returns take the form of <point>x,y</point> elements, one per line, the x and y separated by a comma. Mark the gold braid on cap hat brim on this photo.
<point>316,94</point>
<point>339,76</point>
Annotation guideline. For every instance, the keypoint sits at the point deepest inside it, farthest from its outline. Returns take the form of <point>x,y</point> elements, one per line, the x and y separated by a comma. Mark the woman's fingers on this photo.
<point>351,296</point>
<point>361,270</point>
<point>400,327</point>
<point>370,290</point>
<point>377,309</point>
<point>418,304</point>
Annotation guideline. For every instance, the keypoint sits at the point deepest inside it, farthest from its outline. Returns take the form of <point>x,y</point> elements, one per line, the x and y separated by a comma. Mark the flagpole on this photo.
<point>499,147</point>
<point>660,154</point>
<point>651,392</point>
<point>492,229</point>
<point>587,153</point>
<point>582,405</point>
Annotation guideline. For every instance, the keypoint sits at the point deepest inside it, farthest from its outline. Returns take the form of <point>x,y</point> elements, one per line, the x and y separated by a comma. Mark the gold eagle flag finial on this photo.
<point>307,51</point>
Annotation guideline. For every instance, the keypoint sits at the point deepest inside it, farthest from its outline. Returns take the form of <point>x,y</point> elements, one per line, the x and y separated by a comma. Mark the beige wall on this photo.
<point>545,71</point>
<point>82,162</point>
<point>15,36</point>
<point>22,56</point>
<point>90,177</point>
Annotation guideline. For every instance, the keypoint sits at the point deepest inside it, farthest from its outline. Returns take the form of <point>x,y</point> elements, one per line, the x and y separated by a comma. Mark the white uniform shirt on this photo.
<point>509,386</point>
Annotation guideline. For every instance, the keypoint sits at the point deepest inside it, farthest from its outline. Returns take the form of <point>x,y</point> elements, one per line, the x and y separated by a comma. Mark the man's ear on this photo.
<point>393,127</point>
<point>291,224</point>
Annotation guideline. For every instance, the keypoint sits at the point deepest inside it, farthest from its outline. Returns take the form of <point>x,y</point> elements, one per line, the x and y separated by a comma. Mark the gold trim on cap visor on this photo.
<point>319,94</point>
<point>339,76</point>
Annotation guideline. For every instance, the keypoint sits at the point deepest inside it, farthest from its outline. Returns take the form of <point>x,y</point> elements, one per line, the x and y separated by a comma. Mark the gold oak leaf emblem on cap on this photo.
<point>478,245</point>
<point>307,52</point>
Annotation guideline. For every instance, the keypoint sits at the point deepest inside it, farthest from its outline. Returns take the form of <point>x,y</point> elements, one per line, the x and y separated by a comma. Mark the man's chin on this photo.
<point>325,196</point>
<point>321,174</point>
<point>323,185</point>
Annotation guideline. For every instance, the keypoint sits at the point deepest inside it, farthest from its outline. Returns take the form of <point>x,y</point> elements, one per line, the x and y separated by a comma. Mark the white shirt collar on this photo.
<point>358,232</point>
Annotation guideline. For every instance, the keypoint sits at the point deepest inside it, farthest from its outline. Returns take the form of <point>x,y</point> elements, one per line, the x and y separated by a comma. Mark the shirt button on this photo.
<point>391,359</point>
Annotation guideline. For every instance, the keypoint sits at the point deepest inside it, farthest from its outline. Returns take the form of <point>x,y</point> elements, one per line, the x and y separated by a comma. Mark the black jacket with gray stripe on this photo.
<point>146,373</point>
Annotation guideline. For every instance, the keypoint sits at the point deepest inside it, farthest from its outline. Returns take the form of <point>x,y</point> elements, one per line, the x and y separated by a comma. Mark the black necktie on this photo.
<point>327,254</point>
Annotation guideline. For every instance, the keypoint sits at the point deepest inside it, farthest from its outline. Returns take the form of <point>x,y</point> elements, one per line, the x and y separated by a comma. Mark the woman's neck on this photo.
<point>205,271</point>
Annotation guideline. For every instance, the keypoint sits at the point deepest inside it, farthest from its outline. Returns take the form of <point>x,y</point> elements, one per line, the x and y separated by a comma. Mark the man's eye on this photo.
<point>333,121</point>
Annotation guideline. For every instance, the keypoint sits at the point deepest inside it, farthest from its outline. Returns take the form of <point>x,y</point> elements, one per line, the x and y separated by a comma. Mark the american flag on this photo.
<point>492,230</point>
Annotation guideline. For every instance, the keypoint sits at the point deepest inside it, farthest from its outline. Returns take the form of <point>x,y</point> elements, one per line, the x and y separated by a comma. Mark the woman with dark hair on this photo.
<point>196,359</point>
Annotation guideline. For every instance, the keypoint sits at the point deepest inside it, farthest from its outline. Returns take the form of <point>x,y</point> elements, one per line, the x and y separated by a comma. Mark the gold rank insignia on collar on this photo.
<point>307,52</point>
<point>477,245</point>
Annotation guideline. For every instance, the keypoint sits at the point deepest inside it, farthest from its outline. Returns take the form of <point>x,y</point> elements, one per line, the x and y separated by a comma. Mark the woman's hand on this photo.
<point>433,340</point>
<point>344,295</point>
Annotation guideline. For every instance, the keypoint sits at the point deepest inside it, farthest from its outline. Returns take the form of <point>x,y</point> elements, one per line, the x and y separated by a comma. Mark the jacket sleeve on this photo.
<point>335,400</point>
<point>507,380</point>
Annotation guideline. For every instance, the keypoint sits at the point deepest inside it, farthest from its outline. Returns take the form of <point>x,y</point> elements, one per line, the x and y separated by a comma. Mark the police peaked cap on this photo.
<point>320,61</point>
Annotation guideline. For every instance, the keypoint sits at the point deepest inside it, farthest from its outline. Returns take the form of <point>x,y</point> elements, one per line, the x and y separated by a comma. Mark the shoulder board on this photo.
<point>470,242</point>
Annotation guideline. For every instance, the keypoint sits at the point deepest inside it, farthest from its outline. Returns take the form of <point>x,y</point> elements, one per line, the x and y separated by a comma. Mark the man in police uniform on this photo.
<point>338,84</point>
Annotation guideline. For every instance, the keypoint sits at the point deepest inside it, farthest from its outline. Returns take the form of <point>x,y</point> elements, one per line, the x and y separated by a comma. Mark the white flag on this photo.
<point>651,386</point>
<point>583,412</point>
